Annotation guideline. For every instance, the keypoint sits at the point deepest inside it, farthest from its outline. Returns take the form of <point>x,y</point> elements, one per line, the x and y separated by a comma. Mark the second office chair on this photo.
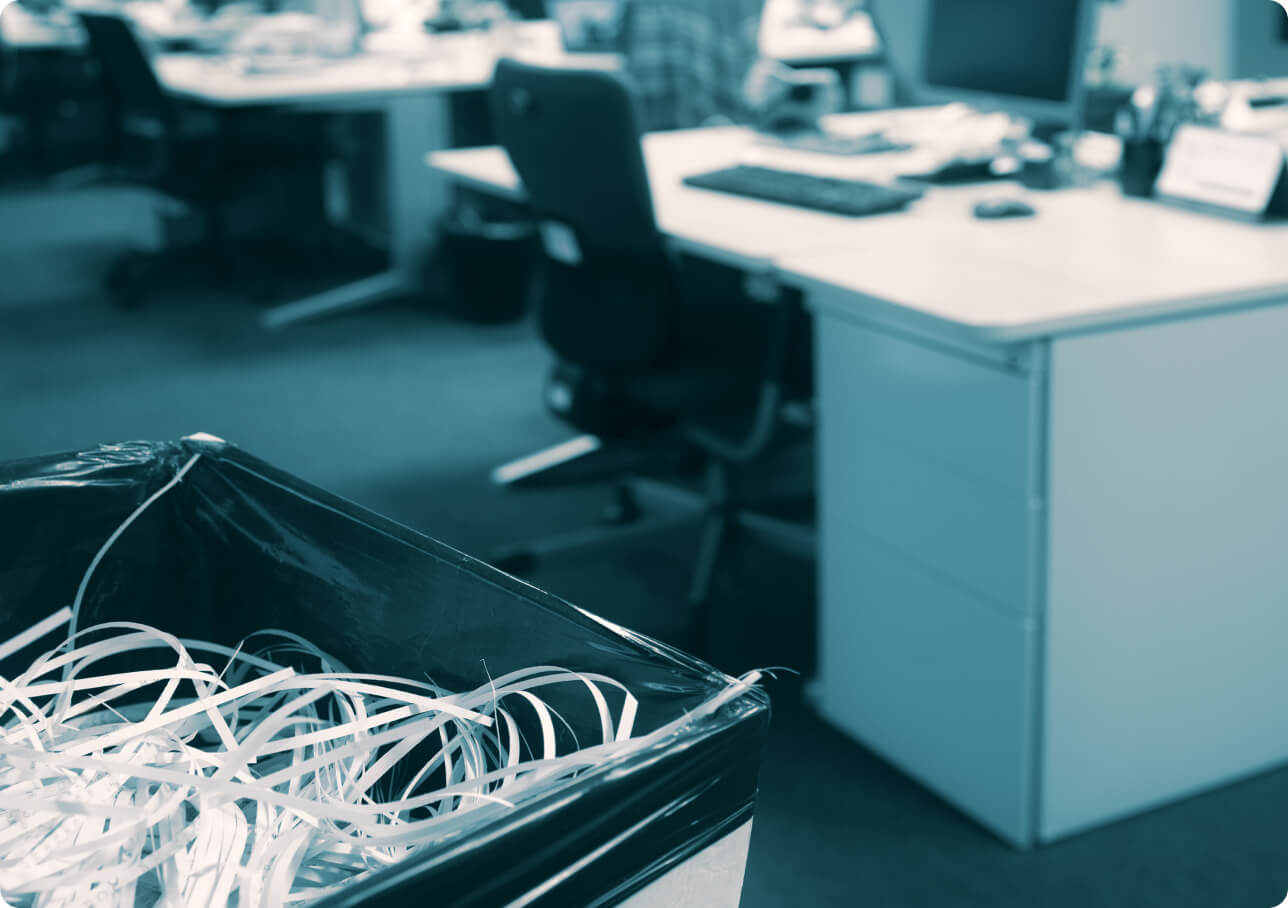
<point>634,345</point>
<point>204,158</point>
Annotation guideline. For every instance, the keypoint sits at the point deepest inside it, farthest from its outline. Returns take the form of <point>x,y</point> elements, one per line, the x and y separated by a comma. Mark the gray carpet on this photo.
<point>405,411</point>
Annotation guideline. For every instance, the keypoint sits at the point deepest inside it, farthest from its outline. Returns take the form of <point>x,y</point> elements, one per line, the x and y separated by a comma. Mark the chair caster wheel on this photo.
<point>624,508</point>
<point>615,514</point>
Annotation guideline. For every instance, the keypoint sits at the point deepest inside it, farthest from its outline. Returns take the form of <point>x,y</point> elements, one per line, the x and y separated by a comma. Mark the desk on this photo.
<point>404,76</point>
<point>23,30</point>
<point>850,48</point>
<point>1053,492</point>
<point>389,80</point>
<point>737,231</point>
<point>46,84</point>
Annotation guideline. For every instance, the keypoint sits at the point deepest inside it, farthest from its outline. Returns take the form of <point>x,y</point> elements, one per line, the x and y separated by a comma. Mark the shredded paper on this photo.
<point>138,768</point>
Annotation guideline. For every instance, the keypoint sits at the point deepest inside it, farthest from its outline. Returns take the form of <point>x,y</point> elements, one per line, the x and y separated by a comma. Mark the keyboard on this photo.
<point>854,198</point>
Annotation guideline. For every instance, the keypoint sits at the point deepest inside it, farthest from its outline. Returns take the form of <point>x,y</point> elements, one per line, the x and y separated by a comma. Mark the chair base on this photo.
<point>589,458</point>
<point>135,276</point>
<point>726,524</point>
<point>622,520</point>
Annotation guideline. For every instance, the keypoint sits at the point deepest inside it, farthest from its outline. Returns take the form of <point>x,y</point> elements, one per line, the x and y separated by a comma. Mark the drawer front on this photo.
<point>969,534</point>
<point>927,455</point>
<point>925,676</point>
<point>971,417</point>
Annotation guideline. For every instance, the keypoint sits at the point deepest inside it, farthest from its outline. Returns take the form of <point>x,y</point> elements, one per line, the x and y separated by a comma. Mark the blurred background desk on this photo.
<point>836,36</point>
<point>1051,485</point>
<point>406,83</point>
<point>403,79</point>
<point>25,30</point>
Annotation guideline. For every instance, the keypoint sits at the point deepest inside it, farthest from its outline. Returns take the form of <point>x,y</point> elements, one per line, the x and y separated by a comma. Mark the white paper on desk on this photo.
<point>786,34</point>
<point>877,168</point>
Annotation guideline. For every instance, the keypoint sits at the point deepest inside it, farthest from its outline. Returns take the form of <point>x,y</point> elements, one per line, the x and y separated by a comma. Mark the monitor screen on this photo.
<point>1023,50</point>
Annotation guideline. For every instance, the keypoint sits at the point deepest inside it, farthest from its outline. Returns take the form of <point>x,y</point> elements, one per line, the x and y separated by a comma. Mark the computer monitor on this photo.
<point>1022,57</point>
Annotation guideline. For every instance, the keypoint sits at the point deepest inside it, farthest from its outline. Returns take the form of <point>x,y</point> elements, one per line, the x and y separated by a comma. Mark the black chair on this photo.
<point>901,25</point>
<point>644,363</point>
<point>10,114</point>
<point>204,158</point>
<point>529,10</point>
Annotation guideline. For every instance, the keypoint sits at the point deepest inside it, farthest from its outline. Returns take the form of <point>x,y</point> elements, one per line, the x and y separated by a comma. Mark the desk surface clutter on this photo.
<point>1088,259</point>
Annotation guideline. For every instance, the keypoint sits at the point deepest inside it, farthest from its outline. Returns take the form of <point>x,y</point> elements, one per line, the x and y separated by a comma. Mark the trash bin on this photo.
<point>490,265</point>
<point>238,546</point>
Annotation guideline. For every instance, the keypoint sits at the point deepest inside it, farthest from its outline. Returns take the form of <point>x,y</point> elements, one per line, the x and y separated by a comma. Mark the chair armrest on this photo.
<point>771,397</point>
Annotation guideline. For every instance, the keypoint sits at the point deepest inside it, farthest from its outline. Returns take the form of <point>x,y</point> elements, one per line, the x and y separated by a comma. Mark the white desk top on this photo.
<point>391,65</point>
<point>784,38</point>
<point>394,62</point>
<point>21,29</point>
<point>1089,258</point>
<point>739,231</point>
<point>231,81</point>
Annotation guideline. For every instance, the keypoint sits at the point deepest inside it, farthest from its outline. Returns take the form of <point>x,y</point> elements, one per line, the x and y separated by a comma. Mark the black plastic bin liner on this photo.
<point>240,546</point>
<point>491,265</point>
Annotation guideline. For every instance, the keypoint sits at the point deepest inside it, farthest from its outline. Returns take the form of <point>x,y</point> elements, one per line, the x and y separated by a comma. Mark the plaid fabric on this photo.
<point>689,58</point>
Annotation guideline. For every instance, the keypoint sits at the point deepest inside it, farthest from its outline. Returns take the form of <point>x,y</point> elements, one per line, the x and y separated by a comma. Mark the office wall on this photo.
<point>901,25</point>
<point>1261,39</point>
<point>1154,32</point>
<point>1240,38</point>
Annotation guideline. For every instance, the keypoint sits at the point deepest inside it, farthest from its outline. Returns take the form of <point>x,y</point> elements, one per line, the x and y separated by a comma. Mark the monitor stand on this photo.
<point>1047,132</point>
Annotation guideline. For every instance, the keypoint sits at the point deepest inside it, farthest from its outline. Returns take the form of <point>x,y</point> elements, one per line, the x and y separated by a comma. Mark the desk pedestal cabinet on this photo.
<point>1055,572</point>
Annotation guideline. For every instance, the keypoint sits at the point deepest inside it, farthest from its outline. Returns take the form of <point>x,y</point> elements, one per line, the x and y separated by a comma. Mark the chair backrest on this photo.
<point>8,73</point>
<point>127,72</point>
<point>574,138</point>
<point>528,10</point>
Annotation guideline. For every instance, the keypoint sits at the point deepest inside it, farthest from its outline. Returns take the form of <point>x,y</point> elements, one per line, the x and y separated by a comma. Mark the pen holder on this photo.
<point>1040,174</point>
<point>1142,159</point>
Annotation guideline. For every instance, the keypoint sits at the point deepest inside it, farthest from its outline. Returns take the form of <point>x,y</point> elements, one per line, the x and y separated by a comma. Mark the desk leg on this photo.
<point>417,195</point>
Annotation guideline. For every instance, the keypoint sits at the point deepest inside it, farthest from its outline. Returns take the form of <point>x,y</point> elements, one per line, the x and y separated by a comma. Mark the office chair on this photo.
<point>203,158</point>
<point>640,362</point>
<point>528,10</point>
<point>10,115</point>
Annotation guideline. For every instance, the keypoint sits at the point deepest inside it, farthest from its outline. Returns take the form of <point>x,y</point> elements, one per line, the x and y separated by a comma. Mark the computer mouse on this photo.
<point>994,209</point>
